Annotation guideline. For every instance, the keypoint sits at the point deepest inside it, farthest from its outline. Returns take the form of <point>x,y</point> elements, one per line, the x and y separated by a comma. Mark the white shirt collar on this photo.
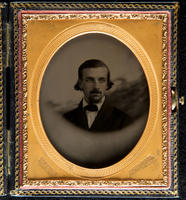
<point>97,104</point>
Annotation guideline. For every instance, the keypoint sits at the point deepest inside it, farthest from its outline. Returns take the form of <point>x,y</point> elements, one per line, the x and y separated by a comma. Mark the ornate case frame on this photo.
<point>29,68</point>
<point>3,131</point>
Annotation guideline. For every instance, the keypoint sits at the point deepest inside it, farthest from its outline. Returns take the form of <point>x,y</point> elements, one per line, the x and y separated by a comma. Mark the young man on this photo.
<point>94,113</point>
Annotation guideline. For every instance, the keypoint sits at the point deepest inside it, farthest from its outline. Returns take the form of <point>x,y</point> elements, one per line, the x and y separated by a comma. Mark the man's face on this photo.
<point>94,83</point>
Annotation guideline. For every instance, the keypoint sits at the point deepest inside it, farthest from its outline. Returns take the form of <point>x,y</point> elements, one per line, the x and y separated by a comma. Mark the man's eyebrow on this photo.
<point>89,77</point>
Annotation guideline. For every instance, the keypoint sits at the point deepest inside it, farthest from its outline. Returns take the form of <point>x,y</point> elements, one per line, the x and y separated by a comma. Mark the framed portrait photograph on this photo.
<point>96,107</point>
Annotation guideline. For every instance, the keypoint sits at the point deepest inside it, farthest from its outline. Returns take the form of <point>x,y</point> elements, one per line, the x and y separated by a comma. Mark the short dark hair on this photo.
<point>93,63</point>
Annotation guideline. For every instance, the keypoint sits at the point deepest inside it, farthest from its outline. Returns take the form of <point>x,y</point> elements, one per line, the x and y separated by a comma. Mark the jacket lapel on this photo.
<point>102,116</point>
<point>81,117</point>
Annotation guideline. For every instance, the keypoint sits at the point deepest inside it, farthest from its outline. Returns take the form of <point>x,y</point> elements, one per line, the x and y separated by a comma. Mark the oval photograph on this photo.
<point>94,100</point>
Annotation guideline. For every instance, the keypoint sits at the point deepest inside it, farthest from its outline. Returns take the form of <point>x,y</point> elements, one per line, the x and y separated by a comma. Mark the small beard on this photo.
<point>93,100</point>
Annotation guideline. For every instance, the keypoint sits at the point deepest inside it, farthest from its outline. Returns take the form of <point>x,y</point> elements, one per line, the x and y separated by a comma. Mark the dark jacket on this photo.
<point>108,118</point>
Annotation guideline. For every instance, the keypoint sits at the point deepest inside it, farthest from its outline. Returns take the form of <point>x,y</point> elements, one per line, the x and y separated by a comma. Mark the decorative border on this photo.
<point>174,119</point>
<point>17,87</point>
<point>174,192</point>
<point>24,17</point>
<point>94,6</point>
<point>1,110</point>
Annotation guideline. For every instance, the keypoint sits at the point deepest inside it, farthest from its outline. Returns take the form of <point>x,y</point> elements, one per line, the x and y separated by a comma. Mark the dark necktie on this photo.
<point>91,108</point>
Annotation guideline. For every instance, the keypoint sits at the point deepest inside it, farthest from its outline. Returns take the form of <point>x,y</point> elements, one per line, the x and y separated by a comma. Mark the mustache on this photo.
<point>95,91</point>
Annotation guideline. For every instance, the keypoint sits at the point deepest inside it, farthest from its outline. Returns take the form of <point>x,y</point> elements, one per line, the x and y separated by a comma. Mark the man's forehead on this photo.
<point>96,70</point>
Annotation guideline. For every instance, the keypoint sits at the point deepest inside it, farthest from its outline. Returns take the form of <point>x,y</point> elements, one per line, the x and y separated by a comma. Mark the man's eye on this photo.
<point>102,80</point>
<point>88,80</point>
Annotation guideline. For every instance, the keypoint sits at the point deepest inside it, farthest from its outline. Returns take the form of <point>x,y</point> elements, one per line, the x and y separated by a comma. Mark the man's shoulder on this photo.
<point>71,112</point>
<point>111,109</point>
<point>119,113</point>
<point>122,116</point>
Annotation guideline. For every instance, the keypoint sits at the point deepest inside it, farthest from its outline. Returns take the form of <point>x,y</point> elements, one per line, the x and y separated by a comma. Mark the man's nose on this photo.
<point>96,84</point>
